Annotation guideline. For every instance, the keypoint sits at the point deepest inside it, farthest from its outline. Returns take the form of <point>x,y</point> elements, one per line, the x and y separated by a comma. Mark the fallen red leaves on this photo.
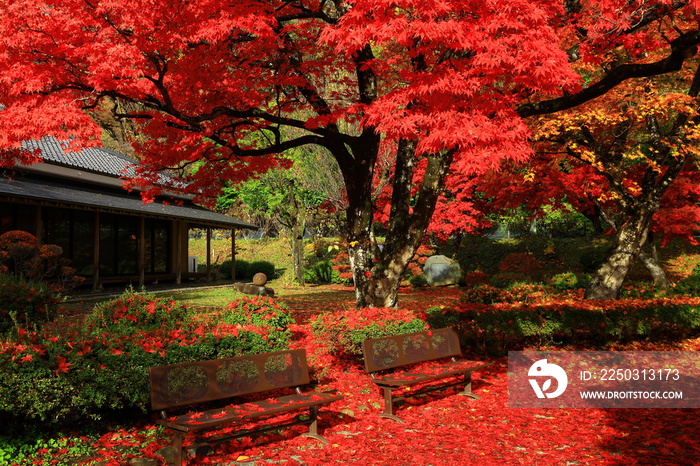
<point>444,428</point>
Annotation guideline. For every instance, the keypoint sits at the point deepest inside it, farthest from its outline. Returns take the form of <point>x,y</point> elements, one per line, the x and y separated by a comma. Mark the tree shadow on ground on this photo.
<point>654,436</point>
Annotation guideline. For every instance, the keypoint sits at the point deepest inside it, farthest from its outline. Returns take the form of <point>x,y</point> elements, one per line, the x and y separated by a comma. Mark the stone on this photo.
<point>259,279</point>
<point>167,453</point>
<point>143,462</point>
<point>441,271</point>
<point>201,450</point>
<point>250,288</point>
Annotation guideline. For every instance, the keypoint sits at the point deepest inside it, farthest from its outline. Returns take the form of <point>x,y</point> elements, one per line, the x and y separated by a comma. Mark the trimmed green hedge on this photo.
<point>245,270</point>
<point>268,268</point>
<point>497,328</point>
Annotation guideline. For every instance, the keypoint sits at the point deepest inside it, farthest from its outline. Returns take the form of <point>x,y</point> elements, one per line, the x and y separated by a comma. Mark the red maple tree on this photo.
<point>629,156</point>
<point>217,88</point>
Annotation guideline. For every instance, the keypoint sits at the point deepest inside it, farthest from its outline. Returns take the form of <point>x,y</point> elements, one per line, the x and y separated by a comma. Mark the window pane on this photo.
<point>161,249</point>
<point>127,245</point>
<point>57,226</point>
<point>108,245</point>
<point>83,242</point>
<point>7,217</point>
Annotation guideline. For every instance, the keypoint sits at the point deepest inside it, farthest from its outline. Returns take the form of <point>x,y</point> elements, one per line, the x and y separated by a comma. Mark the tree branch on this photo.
<point>682,48</point>
<point>272,149</point>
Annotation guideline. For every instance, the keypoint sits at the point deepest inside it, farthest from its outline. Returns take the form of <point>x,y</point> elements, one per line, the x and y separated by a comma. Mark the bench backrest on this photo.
<point>196,382</point>
<point>400,350</point>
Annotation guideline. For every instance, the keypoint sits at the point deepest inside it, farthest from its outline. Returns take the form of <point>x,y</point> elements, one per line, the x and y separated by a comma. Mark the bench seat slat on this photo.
<point>191,422</point>
<point>399,379</point>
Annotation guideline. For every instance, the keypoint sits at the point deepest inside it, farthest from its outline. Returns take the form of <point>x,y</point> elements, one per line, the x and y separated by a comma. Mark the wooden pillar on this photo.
<point>233,254</point>
<point>142,251</point>
<point>38,230</point>
<point>208,254</point>
<point>96,253</point>
<point>178,252</point>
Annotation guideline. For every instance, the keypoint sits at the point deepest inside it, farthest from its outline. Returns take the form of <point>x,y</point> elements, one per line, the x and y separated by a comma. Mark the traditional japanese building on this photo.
<point>76,200</point>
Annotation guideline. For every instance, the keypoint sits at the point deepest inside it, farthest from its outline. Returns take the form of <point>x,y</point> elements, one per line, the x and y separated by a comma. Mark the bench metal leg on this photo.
<point>389,406</point>
<point>468,387</point>
<point>313,426</point>
<point>177,448</point>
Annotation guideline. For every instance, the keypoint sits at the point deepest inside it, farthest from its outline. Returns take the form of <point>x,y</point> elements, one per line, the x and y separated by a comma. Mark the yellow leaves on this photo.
<point>529,177</point>
<point>634,189</point>
<point>634,156</point>
<point>589,156</point>
<point>609,196</point>
<point>654,166</point>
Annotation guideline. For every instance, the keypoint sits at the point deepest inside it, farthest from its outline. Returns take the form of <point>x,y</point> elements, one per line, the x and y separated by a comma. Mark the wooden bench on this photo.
<point>184,385</point>
<point>384,356</point>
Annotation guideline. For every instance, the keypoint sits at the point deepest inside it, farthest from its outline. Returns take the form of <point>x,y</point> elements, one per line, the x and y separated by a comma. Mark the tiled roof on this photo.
<point>94,159</point>
<point>109,163</point>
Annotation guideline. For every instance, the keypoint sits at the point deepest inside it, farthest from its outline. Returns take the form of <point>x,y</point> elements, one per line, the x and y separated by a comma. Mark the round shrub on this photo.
<point>565,281</point>
<point>243,269</point>
<point>25,303</point>
<point>507,279</point>
<point>690,285</point>
<point>527,292</point>
<point>475,278</point>
<point>418,281</point>
<point>258,310</point>
<point>136,311</point>
<point>485,294</point>
<point>223,270</point>
<point>251,325</point>
<point>268,268</point>
<point>322,272</point>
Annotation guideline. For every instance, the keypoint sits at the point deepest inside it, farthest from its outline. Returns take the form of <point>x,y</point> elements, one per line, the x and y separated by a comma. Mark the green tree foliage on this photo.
<point>288,197</point>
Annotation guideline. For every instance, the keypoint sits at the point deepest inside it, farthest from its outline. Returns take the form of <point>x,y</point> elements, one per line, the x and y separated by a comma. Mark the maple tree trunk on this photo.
<point>357,174</point>
<point>629,240</point>
<point>378,277</point>
<point>298,258</point>
<point>658,275</point>
<point>360,247</point>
